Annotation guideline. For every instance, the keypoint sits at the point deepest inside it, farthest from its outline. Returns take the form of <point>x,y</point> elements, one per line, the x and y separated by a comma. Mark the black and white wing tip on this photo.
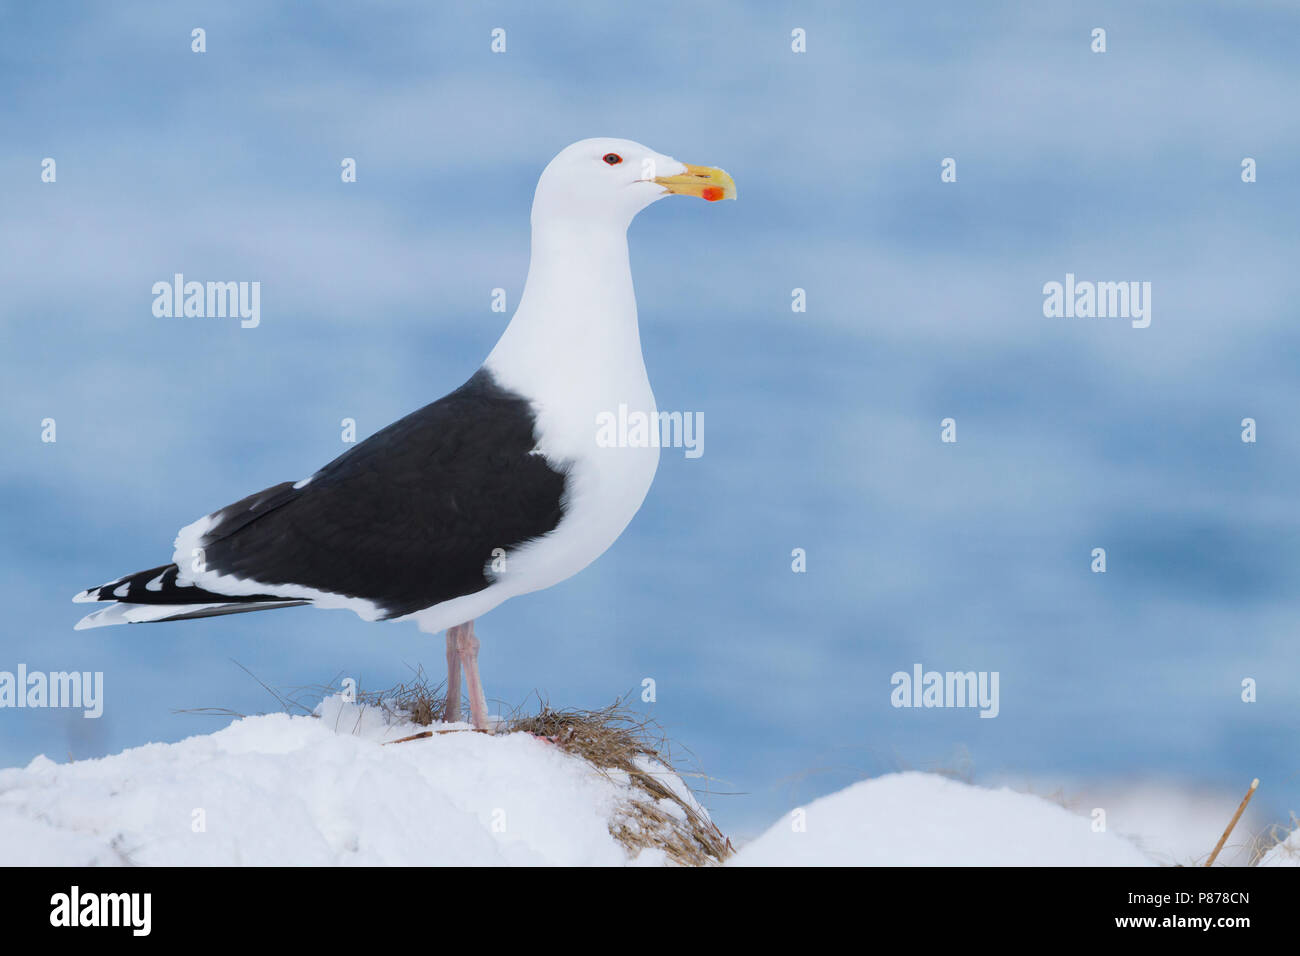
<point>162,594</point>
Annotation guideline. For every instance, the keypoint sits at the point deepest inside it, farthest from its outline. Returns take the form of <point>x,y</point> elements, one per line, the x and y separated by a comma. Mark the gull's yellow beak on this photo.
<point>707,182</point>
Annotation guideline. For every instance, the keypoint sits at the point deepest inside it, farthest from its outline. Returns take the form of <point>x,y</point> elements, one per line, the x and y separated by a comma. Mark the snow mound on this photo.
<point>1286,853</point>
<point>326,790</point>
<point>1176,823</point>
<point>920,819</point>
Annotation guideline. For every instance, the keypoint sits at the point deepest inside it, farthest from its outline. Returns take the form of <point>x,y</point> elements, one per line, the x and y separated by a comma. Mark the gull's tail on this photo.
<point>161,594</point>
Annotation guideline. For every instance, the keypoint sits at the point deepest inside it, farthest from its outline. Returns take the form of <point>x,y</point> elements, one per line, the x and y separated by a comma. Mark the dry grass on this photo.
<point>615,740</point>
<point>1273,835</point>
<point>297,701</point>
<point>417,700</point>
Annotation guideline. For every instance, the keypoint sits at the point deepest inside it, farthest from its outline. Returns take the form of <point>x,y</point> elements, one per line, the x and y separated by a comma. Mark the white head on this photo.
<point>608,181</point>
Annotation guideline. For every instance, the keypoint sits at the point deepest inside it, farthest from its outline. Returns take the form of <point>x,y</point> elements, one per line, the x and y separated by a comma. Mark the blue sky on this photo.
<point>822,428</point>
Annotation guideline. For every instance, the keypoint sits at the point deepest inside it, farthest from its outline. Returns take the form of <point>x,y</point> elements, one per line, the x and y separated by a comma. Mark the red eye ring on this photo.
<point>612,158</point>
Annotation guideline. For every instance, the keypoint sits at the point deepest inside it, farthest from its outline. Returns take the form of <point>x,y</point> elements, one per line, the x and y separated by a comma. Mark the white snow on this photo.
<point>328,790</point>
<point>1175,822</point>
<point>920,819</point>
<point>276,790</point>
<point>1286,853</point>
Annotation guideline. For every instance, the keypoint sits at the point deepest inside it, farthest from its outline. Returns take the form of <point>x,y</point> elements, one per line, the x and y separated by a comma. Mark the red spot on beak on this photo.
<point>712,193</point>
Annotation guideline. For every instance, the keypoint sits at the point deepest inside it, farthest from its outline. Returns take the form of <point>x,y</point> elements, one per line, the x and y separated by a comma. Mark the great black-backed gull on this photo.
<point>497,489</point>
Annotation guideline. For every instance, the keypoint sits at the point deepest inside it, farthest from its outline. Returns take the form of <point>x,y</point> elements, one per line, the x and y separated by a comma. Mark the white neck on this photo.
<point>576,321</point>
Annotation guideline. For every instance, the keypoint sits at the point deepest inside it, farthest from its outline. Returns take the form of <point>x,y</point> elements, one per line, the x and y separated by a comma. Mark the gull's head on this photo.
<point>610,180</point>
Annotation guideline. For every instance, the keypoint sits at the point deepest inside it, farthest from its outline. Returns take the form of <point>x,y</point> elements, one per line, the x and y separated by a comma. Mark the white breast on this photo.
<point>605,485</point>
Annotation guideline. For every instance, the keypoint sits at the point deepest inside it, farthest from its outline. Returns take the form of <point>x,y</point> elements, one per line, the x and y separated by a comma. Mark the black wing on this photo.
<point>410,516</point>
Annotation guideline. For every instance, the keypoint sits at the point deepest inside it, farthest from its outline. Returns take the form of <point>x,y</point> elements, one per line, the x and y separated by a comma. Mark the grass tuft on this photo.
<point>621,743</point>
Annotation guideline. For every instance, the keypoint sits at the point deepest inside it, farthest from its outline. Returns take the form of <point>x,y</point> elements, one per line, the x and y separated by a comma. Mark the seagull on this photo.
<point>497,489</point>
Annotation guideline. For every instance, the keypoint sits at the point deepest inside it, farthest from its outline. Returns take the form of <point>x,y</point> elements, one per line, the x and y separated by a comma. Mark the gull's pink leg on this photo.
<point>451,712</point>
<point>467,646</point>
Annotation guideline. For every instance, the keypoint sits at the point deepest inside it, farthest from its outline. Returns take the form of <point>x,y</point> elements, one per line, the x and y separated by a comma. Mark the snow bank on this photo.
<point>277,790</point>
<point>327,790</point>
<point>919,819</point>
<point>1174,822</point>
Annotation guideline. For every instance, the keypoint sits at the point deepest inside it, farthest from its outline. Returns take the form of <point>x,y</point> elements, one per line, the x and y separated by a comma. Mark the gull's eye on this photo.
<point>612,158</point>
